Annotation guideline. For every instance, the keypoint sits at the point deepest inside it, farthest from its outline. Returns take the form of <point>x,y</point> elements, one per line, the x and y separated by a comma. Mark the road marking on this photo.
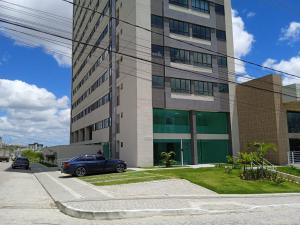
<point>296,205</point>
<point>75,194</point>
<point>103,192</point>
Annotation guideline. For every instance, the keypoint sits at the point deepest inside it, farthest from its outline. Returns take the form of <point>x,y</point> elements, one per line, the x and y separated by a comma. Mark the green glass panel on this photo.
<point>212,151</point>
<point>106,151</point>
<point>171,121</point>
<point>212,123</point>
<point>173,145</point>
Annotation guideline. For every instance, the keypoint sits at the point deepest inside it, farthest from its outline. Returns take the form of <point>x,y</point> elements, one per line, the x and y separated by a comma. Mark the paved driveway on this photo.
<point>24,201</point>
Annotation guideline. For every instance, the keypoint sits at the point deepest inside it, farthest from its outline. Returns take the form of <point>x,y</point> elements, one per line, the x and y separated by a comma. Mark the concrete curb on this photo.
<point>123,214</point>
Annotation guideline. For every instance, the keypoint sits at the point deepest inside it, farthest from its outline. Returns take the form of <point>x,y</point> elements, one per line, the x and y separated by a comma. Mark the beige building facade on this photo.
<point>150,80</point>
<point>269,112</point>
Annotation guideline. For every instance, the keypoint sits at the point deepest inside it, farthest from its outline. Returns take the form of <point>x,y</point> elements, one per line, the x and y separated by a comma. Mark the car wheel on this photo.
<point>13,167</point>
<point>120,168</point>
<point>80,172</point>
<point>27,167</point>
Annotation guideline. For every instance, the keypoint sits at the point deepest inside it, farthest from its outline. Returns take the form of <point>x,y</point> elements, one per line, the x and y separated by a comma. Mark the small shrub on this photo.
<point>168,158</point>
<point>279,180</point>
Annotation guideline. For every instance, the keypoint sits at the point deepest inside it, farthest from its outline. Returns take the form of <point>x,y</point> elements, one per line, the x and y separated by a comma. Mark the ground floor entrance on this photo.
<point>208,151</point>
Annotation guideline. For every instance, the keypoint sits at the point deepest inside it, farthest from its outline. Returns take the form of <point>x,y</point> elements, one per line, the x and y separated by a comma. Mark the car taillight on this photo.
<point>66,165</point>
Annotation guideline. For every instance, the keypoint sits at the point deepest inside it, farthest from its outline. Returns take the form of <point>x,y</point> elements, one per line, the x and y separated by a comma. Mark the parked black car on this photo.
<point>20,162</point>
<point>92,164</point>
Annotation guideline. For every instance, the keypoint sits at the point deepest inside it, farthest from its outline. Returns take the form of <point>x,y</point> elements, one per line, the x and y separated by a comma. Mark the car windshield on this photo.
<point>22,160</point>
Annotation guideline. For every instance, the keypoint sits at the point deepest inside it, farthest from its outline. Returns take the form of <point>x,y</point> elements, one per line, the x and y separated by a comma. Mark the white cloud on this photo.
<point>61,24</point>
<point>291,66</point>
<point>251,14</point>
<point>32,114</point>
<point>244,78</point>
<point>243,41</point>
<point>291,33</point>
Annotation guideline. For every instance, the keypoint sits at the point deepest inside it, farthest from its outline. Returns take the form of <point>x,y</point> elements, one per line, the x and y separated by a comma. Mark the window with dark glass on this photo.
<point>201,59</point>
<point>189,57</point>
<point>157,51</point>
<point>293,122</point>
<point>180,55</point>
<point>180,85</point>
<point>201,32</point>
<point>203,88</point>
<point>183,3</point>
<point>219,9</point>
<point>221,35</point>
<point>222,61</point>
<point>223,88</point>
<point>200,5</point>
<point>157,21</point>
<point>179,27</point>
<point>158,81</point>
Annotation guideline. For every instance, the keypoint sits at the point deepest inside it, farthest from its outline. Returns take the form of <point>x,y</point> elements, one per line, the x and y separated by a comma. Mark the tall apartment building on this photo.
<point>154,82</point>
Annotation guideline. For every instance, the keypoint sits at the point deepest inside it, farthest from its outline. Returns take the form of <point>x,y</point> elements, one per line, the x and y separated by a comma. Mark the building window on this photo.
<point>203,88</point>
<point>293,122</point>
<point>200,5</point>
<point>157,51</point>
<point>219,9</point>
<point>118,17</point>
<point>201,32</point>
<point>180,55</point>
<point>158,81</point>
<point>181,85</point>
<point>171,121</point>
<point>188,57</point>
<point>222,61</point>
<point>183,3</point>
<point>201,59</point>
<point>117,43</point>
<point>157,21</point>
<point>179,27</point>
<point>221,35</point>
<point>223,88</point>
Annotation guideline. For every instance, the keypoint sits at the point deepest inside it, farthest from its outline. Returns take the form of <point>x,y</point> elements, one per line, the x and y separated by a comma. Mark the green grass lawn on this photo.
<point>290,170</point>
<point>212,178</point>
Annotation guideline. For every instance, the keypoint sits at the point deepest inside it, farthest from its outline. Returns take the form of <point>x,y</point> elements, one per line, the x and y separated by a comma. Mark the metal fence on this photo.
<point>294,157</point>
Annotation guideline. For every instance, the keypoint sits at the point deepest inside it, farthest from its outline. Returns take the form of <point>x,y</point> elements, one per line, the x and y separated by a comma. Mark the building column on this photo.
<point>113,82</point>
<point>193,123</point>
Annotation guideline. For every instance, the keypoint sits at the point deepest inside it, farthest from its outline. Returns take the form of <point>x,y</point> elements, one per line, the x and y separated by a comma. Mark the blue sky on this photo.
<point>266,22</point>
<point>268,33</point>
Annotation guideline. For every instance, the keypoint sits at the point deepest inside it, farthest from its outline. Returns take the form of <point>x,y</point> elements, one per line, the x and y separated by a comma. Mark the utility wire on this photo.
<point>216,52</point>
<point>134,57</point>
<point>55,15</point>
<point>222,99</point>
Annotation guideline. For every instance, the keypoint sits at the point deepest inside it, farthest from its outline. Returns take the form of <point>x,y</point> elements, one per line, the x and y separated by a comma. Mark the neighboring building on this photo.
<point>139,109</point>
<point>271,115</point>
<point>35,146</point>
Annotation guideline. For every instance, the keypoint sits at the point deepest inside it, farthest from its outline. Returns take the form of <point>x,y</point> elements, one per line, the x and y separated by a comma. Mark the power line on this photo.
<point>231,73</point>
<point>224,100</point>
<point>216,52</point>
<point>41,11</point>
<point>133,57</point>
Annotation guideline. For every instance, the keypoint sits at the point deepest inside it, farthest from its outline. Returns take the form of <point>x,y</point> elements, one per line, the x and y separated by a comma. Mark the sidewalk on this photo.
<point>158,198</point>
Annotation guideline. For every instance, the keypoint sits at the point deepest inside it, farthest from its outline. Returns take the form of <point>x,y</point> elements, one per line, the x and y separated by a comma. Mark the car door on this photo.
<point>90,163</point>
<point>101,164</point>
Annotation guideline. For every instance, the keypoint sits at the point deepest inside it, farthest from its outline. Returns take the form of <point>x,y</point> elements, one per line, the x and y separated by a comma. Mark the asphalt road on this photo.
<point>24,201</point>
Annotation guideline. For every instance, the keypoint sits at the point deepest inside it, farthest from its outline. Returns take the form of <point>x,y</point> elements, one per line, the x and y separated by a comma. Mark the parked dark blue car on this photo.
<point>20,162</point>
<point>92,164</point>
